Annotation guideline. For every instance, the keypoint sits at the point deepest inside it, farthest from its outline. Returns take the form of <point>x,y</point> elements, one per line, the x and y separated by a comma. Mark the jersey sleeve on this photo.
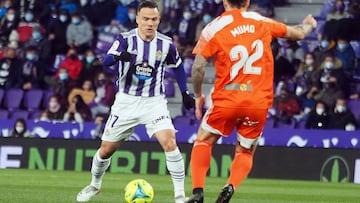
<point>277,29</point>
<point>173,59</point>
<point>119,45</point>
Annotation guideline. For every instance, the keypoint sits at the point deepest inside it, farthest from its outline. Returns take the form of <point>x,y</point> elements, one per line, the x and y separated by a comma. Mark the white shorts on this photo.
<point>129,111</point>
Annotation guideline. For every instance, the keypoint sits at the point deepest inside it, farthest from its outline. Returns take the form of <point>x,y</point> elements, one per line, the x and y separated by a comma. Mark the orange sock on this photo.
<point>240,167</point>
<point>200,162</point>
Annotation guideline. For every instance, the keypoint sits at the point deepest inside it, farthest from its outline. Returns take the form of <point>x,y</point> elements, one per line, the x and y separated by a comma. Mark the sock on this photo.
<point>200,162</point>
<point>240,167</point>
<point>98,169</point>
<point>176,168</point>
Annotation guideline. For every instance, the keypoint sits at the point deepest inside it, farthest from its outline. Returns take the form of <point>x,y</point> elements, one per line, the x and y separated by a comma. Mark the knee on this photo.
<point>169,145</point>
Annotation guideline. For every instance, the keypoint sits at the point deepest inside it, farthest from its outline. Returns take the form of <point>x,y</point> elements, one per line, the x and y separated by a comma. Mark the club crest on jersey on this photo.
<point>158,55</point>
<point>144,71</point>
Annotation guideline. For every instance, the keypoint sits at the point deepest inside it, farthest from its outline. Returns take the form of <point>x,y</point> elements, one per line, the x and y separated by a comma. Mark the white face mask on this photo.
<point>319,111</point>
<point>10,17</point>
<point>329,64</point>
<point>19,129</point>
<point>309,62</point>
<point>340,108</point>
<point>350,127</point>
<point>218,1</point>
<point>298,90</point>
<point>187,15</point>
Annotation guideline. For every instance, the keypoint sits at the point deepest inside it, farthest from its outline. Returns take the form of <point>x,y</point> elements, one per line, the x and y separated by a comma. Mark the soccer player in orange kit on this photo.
<point>239,41</point>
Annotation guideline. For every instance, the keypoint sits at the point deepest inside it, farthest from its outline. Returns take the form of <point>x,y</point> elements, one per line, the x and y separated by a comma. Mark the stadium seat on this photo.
<point>354,106</point>
<point>270,123</point>
<point>279,124</point>
<point>13,98</point>
<point>181,120</point>
<point>19,114</point>
<point>47,95</point>
<point>32,99</point>
<point>4,114</point>
<point>35,114</point>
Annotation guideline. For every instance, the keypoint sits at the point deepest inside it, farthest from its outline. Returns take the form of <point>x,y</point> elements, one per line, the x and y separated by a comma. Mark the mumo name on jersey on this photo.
<point>242,29</point>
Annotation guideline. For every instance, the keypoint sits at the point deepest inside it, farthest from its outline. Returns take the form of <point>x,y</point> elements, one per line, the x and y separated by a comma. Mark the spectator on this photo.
<point>32,70</point>
<point>332,68</point>
<point>72,64</point>
<point>326,46</point>
<point>20,130</point>
<point>105,95</point>
<point>55,111</point>
<point>8,24</point>
<point>198,7</point>
<point>131,22</point>
<point>26,25</point>
<point>286,106</point>
<point>102,14</point>
<point>342,117</point>
<point>330,93</point>
<point>121,11</point>
<point>91,66</point>
<point>79,33</point>
<point>86,92</point>
<point>114,28</point>
<point>319,117</point>
<point>63,85</point>
<point>70,5</point>
<point>169,27</point>
<point>206,18</point>
<point>86,8</point>
<point>78,111</point>
<point>307,73</point>
<point>9,69</point>
<point>43,47</point>
<point>338,12</point>
<point>187,29</point>
<point>346,54</point>
<point>5,5</point>
<point>57,33</point>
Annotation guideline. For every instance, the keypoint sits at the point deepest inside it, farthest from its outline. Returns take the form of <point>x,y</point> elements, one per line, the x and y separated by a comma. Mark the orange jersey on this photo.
<point>240,42</point>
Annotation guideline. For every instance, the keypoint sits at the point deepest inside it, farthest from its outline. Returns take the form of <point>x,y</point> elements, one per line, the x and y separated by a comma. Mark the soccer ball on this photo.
<point>139,191</point>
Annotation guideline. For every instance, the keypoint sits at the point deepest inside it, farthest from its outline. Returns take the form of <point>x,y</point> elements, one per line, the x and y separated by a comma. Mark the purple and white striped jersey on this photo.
<point>144,74</point>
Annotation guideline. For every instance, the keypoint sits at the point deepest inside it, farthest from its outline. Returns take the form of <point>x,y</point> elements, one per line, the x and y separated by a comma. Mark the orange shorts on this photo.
<point>249,123</point>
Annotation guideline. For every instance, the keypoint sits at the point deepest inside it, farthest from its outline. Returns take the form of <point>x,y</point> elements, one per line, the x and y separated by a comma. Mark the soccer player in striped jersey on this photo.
<point>239,41</point>
<point>142,54</point>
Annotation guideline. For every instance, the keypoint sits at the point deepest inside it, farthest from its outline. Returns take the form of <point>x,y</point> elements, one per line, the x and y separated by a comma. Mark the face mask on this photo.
<point>341,46</point>
<point>90,59</point>
<point>36,35</point>
<point>350,127</point>
<point>310,68</point>
<point>75,21</point>
<point>124,2</point>
<point>10,17</point>
<point>187,15</point>
<point>19,129</point>
<point>207,19</point>
<point>29,17</point>
<point>324,44</point>
<point>83,2</point>
<point>53,104</point>
<point>319,111</point>
<point>72,56</point>
<point>218,1</point>
<point>30,57</point>
<point>101,81</point>
<point>309,62</point>
<point>132,16</point>
<point>63,18</point>
<point>339,7</point>
<point>340,108</point>
<point>63,76</point>
<point>329,65</point>
<point>298,90</point>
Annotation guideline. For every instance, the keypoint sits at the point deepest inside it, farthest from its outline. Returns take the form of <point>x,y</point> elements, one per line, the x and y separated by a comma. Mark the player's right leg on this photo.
<point>100,163</point>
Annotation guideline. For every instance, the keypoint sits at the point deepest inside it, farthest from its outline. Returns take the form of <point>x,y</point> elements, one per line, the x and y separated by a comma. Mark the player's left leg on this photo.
<point>174,162</point>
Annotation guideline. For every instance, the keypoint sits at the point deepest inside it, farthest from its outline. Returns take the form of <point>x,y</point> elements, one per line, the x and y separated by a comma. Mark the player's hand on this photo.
<point>309,19</point>
<point>199,103</point>
<point>124,56</point>
<point>188,101</point>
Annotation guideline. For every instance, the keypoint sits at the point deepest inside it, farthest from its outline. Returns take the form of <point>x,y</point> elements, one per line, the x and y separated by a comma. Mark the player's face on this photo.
<point>148,20</point>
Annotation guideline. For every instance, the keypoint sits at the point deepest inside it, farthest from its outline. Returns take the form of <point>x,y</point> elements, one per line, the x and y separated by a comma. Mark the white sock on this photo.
<point>175,165</point>
<point>98,169</point>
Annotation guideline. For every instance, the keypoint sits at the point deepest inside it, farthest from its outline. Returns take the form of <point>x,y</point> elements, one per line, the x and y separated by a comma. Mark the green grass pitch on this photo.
<point>39,186</point>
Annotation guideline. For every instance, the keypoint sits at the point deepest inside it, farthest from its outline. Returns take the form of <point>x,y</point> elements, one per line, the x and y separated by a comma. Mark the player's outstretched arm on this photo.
<point>299,32</point>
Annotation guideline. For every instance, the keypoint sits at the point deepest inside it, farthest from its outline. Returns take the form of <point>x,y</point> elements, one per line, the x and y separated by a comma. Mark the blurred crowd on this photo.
<point>57,45</point>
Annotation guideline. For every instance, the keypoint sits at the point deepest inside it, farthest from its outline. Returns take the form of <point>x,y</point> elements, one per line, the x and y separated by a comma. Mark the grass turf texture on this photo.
<point>39,186</point>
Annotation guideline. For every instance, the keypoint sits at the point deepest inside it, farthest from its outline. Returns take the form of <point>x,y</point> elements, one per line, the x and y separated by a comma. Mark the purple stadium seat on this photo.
<point>354,106</point>
<point>13,98</point>
<point>35,114</point>
<point>47,95</point>
<point>169,88</point>
<point>4,114</point>
<point>104,42</point>
<point>19,114</point>
<point>356,46</point>
<point>300,124</point>
<point>182,120</point>
<point>279,124</point>
<point>270,123</point>
<point>58,60</point>
<point>33,98</point>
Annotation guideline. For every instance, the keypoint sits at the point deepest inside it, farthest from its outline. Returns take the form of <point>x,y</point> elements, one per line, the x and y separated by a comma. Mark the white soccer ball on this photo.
<point>139,191</point>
